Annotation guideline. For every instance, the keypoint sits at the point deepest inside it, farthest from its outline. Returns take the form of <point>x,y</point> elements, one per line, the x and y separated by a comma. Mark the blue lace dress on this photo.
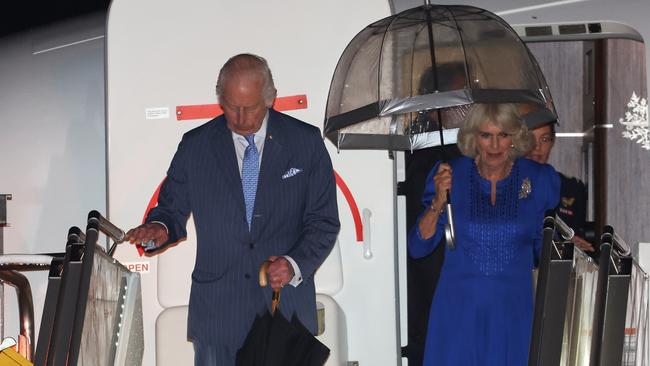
<point>481,312</point>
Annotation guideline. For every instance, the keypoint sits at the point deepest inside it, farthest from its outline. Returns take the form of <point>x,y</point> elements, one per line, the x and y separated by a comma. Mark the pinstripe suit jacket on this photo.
<point>294,215</point>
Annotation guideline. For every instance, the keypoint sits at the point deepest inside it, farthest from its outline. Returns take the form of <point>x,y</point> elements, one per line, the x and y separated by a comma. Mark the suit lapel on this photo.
<point>223,148</point>
<point>275,160</point>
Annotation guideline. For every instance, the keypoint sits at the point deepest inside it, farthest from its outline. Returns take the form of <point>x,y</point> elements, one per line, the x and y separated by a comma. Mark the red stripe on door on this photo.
<point>203,111</point>
<point>354,209</point>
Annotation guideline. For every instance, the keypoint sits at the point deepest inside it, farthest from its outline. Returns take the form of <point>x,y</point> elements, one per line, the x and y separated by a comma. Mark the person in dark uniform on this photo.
<point>573,192</point>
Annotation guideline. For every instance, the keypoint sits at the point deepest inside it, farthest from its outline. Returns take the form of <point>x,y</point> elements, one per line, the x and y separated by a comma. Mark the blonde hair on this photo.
<point>502,115</point>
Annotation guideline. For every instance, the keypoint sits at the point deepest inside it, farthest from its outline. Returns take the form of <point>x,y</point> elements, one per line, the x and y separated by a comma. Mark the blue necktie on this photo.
<point>249,174</point>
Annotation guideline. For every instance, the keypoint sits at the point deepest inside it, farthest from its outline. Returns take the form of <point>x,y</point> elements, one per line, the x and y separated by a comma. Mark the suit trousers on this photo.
<point>213,355</point>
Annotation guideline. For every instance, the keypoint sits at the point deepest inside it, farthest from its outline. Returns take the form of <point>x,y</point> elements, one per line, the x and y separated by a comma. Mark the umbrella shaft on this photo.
<point>275,301</point>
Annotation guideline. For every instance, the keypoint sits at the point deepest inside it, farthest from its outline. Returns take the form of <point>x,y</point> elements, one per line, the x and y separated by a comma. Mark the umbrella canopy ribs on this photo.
<point>405,78</point>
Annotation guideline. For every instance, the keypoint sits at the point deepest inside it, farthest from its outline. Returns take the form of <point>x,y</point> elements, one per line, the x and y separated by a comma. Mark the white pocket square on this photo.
<point>291,172</point>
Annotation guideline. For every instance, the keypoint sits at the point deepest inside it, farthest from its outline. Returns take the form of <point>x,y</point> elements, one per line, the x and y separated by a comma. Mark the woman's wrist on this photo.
<point>437,207</point>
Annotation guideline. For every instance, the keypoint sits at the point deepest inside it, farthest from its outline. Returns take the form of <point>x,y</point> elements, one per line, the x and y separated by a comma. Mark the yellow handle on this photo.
<point>262,276</point>
<point>275,300</point>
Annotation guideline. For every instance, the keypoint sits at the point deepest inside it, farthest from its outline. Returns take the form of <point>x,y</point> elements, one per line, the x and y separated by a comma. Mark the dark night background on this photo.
<point>22,15</point>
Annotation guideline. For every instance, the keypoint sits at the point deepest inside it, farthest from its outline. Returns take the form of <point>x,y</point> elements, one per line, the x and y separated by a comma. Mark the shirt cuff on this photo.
<point>297,275</point>
<point>161,223</point>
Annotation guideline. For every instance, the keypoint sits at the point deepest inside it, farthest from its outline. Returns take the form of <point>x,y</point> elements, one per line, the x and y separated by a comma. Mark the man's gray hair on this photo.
<point>247,63</point>
<point>504,116</point>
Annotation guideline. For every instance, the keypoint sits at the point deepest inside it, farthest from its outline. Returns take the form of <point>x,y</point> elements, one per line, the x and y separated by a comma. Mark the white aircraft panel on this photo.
<point>164,54</point>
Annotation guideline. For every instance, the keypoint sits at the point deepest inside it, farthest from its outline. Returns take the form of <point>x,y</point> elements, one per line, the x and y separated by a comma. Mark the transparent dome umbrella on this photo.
<point>404,79</point>
<point>407,81</point>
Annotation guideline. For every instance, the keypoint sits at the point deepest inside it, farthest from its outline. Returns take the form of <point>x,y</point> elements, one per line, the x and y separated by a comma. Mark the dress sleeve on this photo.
<point>417,246</point>
<point>548,182</point>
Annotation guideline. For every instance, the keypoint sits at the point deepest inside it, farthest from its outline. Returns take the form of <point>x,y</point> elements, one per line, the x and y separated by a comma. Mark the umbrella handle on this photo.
<point>275,300</point>
<point>262,275</point>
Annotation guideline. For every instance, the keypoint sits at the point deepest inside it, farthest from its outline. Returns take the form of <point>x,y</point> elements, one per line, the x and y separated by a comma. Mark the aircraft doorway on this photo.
<point>598,84</point>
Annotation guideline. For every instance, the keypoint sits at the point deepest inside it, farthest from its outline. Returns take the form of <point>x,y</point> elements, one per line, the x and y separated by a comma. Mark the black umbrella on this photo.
<point>404,78</point>
<point>273,340</point>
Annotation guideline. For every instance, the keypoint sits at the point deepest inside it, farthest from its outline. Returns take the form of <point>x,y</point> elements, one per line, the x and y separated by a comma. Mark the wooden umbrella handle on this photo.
<point>275,300</point>
<point>262,275</point>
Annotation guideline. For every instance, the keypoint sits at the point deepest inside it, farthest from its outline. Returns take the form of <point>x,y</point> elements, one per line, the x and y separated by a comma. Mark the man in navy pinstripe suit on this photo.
<point>294,220</point>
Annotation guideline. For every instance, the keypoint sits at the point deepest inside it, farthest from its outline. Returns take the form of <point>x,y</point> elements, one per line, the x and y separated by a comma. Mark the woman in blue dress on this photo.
<point>481,313</point>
